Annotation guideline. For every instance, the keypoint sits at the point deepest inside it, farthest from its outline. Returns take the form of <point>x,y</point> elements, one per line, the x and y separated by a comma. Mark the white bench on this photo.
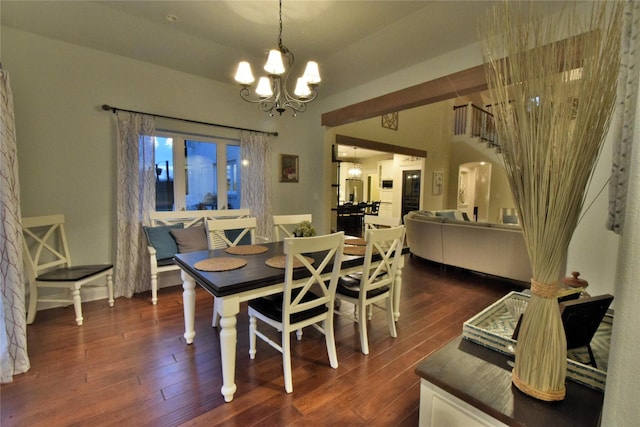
<point>187,219</point>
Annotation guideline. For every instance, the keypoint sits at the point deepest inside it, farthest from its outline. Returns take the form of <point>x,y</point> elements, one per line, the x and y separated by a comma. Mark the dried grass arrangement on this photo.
<point>553,103</point>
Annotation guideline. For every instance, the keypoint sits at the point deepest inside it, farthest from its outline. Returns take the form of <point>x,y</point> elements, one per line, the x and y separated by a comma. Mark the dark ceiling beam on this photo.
<point>461,83</point>
<point>378,146</point>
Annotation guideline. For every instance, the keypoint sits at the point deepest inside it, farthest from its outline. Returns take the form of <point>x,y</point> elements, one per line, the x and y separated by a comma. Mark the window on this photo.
<point>196,174</point>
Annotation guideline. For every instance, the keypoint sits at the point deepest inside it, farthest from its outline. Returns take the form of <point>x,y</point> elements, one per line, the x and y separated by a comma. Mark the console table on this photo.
<point>465,384</point>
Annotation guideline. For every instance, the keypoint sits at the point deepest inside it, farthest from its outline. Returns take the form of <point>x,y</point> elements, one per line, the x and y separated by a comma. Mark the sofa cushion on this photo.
<point>160,238</point>
<point>468,223</point>
<point>446,214</point>
<point>191,239</point>
<point>510,219</point>
<point>460,216</point>
<point>421,216</point>
<point>506,226</point>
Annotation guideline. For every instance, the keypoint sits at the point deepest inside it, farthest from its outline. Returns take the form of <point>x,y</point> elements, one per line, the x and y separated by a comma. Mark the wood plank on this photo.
<point>129,365</point>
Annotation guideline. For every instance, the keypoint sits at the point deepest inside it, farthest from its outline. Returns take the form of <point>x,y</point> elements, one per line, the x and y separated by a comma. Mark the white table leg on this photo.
<point>189,303</point>
<point>397,288</point>
<point>229,307</point>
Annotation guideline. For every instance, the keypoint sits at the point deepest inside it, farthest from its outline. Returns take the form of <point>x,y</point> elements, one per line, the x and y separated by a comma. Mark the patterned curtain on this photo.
<point>13,323</point>
<point>136,197</point>
<point>627,95</point>
<point>256,179</point>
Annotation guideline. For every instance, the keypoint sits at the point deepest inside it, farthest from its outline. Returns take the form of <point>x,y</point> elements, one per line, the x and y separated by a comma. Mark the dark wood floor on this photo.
<point>129,365</point>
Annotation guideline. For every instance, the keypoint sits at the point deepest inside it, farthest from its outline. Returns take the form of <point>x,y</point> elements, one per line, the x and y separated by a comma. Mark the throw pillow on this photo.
<point>510,219</point>
<point>458,215</point>
<point>191,239</point>
<point>446,214</point>
<point>160,238</point>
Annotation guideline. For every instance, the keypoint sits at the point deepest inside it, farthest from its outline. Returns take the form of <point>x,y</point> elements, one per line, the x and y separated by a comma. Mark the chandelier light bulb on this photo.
<point>302,88</point>
<point>264,89</point>
<point>244,76</point>
<point>274,65</point>
<point>312,74</point>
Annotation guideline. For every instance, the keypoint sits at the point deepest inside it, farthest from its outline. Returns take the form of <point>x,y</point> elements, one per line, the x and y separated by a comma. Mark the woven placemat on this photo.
<point>354,250</point>
<point>220,264</point>
<point>356,242</point>
<point>280,260</point>
<point>246,249</point>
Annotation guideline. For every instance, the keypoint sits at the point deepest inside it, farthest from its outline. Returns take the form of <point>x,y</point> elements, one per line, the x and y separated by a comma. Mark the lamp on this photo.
<point>354,171</point>
<point>272,91</point>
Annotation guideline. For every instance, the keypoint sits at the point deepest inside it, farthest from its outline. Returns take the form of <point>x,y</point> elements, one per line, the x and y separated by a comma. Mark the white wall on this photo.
<point>66,148</point>
<point>67,162</point>
<point>66,143</point>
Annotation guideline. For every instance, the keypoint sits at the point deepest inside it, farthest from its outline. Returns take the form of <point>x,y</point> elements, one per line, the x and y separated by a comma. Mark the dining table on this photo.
<point>252,280</point>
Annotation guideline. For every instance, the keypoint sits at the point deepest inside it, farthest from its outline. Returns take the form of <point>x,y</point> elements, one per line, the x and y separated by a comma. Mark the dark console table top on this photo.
<point>481,377</point>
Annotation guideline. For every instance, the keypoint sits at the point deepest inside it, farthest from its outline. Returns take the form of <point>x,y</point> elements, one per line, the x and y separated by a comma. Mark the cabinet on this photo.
<point>465,384</point>
<point>385,171</point>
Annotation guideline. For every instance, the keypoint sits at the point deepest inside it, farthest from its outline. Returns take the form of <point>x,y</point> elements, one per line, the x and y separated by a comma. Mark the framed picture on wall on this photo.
<point>289,170</point>
<point>438,178</point>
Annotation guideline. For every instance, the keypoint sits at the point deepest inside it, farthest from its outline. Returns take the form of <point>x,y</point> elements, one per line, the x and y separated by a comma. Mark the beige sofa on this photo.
<point>496,249</point>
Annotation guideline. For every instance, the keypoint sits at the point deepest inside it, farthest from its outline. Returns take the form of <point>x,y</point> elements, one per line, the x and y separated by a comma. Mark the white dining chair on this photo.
<point>376,281</point>
<point>48,265</point>
<point>303,302</point>
<point>223,233</point>
<point>283,225</point>
<point>375,221</point>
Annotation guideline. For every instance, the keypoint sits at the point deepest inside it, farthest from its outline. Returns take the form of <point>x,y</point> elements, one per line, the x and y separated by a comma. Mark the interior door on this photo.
<point>410,191</point>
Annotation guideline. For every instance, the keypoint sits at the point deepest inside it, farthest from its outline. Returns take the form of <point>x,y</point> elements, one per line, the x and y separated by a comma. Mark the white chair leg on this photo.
<point>299,334</point>
<point>252,337</point>
<point>154,289</point>
<point>110,289</point>
<point>286,362</point>
<point>370,312</point>
<point>331,342</point>
<point>77,305</point>
<point>390,317</point>
<point>362,326</point>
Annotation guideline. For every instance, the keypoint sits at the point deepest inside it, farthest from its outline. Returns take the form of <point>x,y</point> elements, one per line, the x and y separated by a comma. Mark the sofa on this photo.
<point>449,238</point>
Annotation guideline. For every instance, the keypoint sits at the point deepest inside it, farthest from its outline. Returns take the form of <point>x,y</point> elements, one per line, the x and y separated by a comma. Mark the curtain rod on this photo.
<point>106,107</point>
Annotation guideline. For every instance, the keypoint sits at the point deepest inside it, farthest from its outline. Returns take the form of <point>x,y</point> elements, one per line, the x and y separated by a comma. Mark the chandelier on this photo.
<point>355,171</point>
<point>271,92</point>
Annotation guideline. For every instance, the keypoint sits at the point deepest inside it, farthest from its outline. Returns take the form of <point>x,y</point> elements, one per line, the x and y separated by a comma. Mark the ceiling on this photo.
<point>353,41</point>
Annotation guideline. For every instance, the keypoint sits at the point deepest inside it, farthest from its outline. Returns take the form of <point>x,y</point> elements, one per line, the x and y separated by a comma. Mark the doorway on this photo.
<point>410,191</point>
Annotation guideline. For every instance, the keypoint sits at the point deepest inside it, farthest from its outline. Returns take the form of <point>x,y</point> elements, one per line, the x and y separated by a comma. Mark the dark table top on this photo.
<point>482,378</point>
<point>254,275</point>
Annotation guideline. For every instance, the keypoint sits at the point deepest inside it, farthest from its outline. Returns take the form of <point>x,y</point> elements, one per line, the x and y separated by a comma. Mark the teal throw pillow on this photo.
<point>160,238</point>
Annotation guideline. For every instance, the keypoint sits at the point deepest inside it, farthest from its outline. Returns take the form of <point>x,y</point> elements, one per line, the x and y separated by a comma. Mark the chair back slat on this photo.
<point>283,224</point>
<point>387,243</point>
<point>296,248</point>
<point>217,237</point>
<point>44,244</point>
<point>196,217</point>
<point>374,221</point>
